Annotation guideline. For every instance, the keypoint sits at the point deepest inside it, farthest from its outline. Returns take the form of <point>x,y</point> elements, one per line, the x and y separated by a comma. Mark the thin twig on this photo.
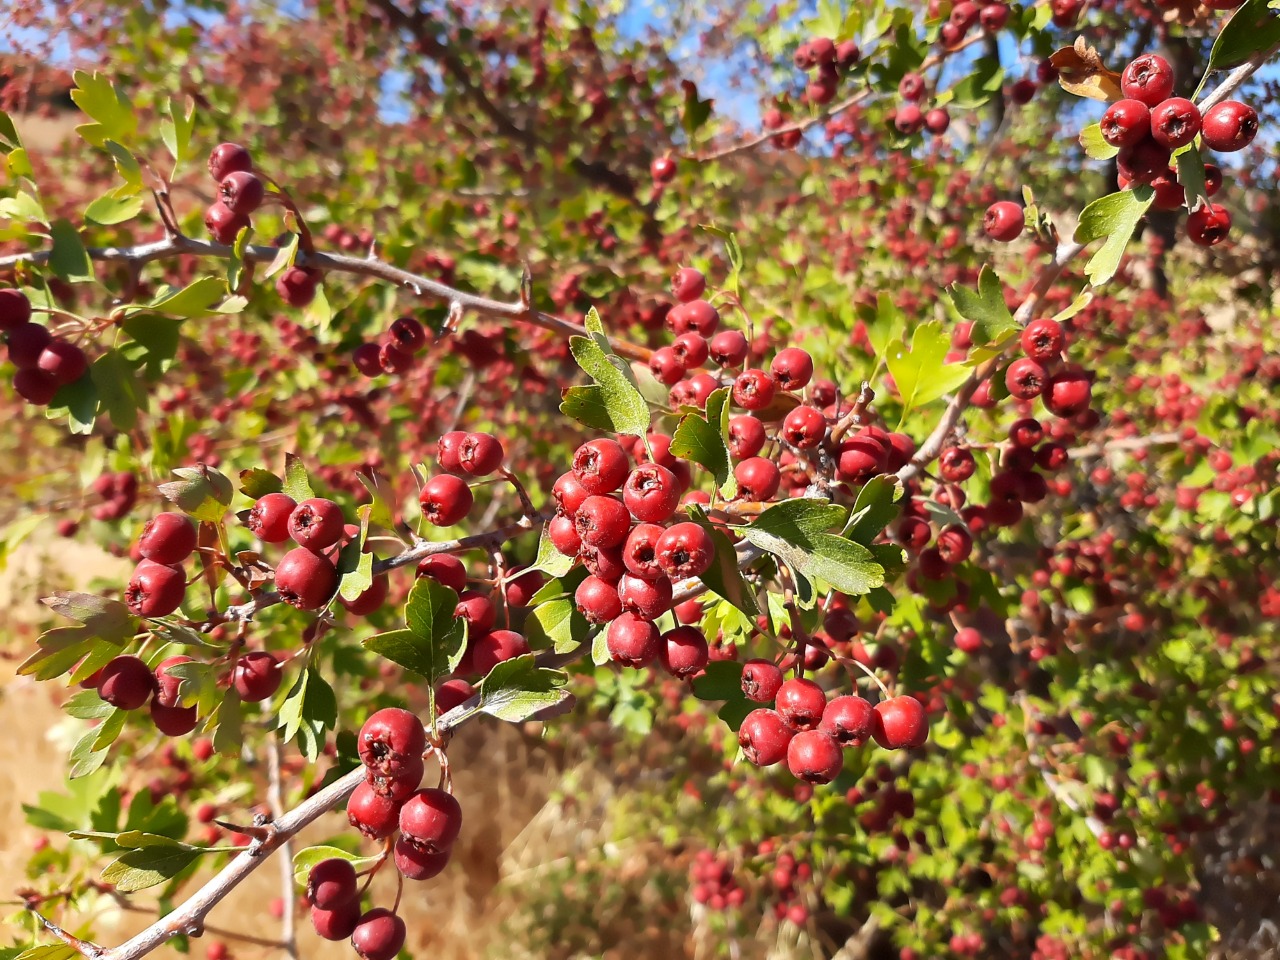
<point>275,798</point>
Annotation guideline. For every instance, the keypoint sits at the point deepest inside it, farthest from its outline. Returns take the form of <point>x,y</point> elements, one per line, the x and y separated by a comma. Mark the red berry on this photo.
<point>1148,78</point>
<point>569,493</point>
<point>227,158</point>
<point>804,427</point>
<point>663,170</point>
<point>597,600</point>
<point>1067,392</point>
<point>792,368</point>
<point>600,466</point>
<point>27,342</point>
<point>495,647</point>
<point>758,478</point>
<point>331,883</point>
<point>691,350</point>
<point>696,316</point>
<point>956,464</point>
<point>480,454</point>
<point>1042,340</point>
<point>1229,126</point>
<point>297,285</point>
<point>444,568</point>
<point>338,923</point>
<point>173,721</point>
<point>1209,225</point>
<point>316,524</point>
<point>242,192</point>
<point>521,589</point>
<point>685,550</point>
<point>746,436</point>
<point>814,757</point>
<point>801,702</point>
<point>954,544</point>
<point>447,450</point>
<point>379,935</point>
<point>477,609</point>
<point>666,367</point>
<point>223,223</point>
<point>646,599</point>
<point>684,651</point>
<point>728,348</point>
<point>899,722</point>
<point>431,819</point>
<point>167,538</point>
<point>753,390</point>
<point>1025,379</point>
<point>640,551</point>
<point>15,309</point>
<point>63,361</point>
<point>602,521</point>
<point>306,580</point>
<point>35,386</point>
<point>909,119</point>
<point>256,676</point>
<point>563,533</point>
<point>1004,221</point>
<point>391,359</point>
<point>847,720</point>
<point>968,640</point>
<point>407,334</point>
<point>1126,122</point>
<point>370,599</point>
<point>761,680</point>
<point>390,740</point>
<point>1175,122</point>
<point>688,284</point>
<point>126,683</point>
<point>764,737</point>
<point>415,863</point>
<point>445,500</point>
<point>1143,162</point>
<point>651,493</point>
<point>633,642</point>
<point>937,120</point>
<point>269,518</point>
<point>155,589</point>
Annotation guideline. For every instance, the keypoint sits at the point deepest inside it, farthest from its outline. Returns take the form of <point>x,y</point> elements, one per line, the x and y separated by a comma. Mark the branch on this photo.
<point>1236,78</point>
<point>336,263</point>
<point>275,797</point>
<point>1124,443</point>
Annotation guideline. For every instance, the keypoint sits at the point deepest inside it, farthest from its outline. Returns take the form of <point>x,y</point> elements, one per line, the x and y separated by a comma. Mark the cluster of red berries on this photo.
<point>810,732</point>
<point>826,61</point>
<point>909,118</point>
<point>713,884</point>
<point>240,192</point>
<point>1064,388</point>
<point>1149,124</point>
<point>446,498</point>
<point>119,492</point>
<point>43,363</point>
<point>391,744</point>
<point>397,351</point>
<point>992,16</point>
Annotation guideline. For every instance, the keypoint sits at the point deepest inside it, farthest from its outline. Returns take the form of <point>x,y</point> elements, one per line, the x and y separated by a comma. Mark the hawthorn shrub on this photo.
<point>868,482</point>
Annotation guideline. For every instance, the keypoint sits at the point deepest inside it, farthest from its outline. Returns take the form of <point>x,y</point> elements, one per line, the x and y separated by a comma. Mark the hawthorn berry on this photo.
<point>746,436</point>
<point>338,923</point>
<point>228,158</point>
<point>684,652</point>
<point>758,478</point>
<point>728,348</point>
<point>954,544</point>
<point>968,640</point>
<point>956,464</point>
<point>26,343</point>
<point>646,599</point>
<point>667,368</point>
<point>663,170</point>
<point>801,702</point>
<point>899,722</point>
<point>688,284</point>
<point>685,550</point>
<point>223,223</point>
<point>480,454</point>
<point>126,682</point>
<point>691,350</point>
<point>242,192</point>
<point>35,386</point>
<point>63,361</point>
<point>379,935</point>
<point>804,427</point>
<point>1042,340</point>
<point>562,531</point>
<point>297,285</point>
<point>1147,78</point>
<point>316,524</point>
<point>632,641</point>
<point>1026,432</point>
<point>569,493</point>
<point>847,720</point>
<point>390,740</point>
<point>651,493</point>
<point>814,757</point>
<point>447,450</point>
<point>305,579</point>
<point>1125,123</point>
<point>1004,221</point>
<point>445,569</point>
<point>597,600</point>
<point>753,390</point>
<point>370,599</point>
<point>416,863</point>
<point>1229,126</point>
<point>1025,379</point>
<point>407,334</point>
<point>761,680</point>
<point>937,120</point>
<point>909,119</point>
<point>603,562</point>
<point>764,737</point>
<point>696,316</point>
<point>167,538</point>
<point>640,551</point>
<point>331,883</point>
<point>1175,122</point>
<point>602,521</point>
<point>521,588</point>
<point>431,819</point>
<point>155,589</point>
<point>600,466</point>
<point>792,368</point>
<point>15,309</point>
<point>391,359</point>
<point>445,500</point>
<point>256,676</point>
<point>1067,392</point>
<point>495,647</point>
<point>1209,225</point>
<point>477,609</point>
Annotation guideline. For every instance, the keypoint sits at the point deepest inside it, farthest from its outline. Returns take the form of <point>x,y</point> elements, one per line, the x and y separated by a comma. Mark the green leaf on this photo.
<point>110,209</point>
<point>356,568</point>
<point>84,759</point>
<point>194,300</point>
<point>257,483</point>
<point>695,111</point>
<point>921,372</point>
<point>559,621</point>
<point>309,709</point>
<point>721,680</point>
<point>118,388</point>
<point>550,560</point>
<point>49,951</point>
<point>724,576</point>
<point>992,321</point>
<point>1094,146</point>
<point>127,166</point>
<point>307,858</point>
<point>296,482</point>
<point>148,866</point>
<point>1254,27</point>
<point>614,403</point>
<point>734,253</point>
<point>705,441</point>
<point>976,89</point>
<point>284,257</point>
<point>78,402</point>
<point>68,257</point>
<point>884,323</point>
<point>200,492</point>
<point>1115,217</point>
<point>105,104</point>
<point>226,735</point>
<point>381,497</point>
<point>159,338</point>
<point>1191,176</point>
<point>23,206</point>
<point>517,689</point>
<point>434,639</point>
<point>874,508</point>
<point>792,535</point>
<point>175,131</point>
<point>104,617</point>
